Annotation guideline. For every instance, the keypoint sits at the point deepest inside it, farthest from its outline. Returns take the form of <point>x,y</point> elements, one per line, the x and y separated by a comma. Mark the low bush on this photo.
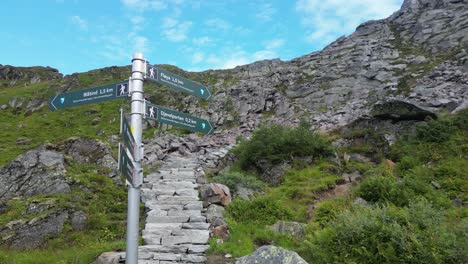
<point>234,179</point>
<point>261,210</point>
<point>388,234</point>
<point>277,144</point>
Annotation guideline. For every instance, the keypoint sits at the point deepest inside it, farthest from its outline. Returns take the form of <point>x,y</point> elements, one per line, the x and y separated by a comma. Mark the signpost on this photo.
<point>178,119</point>
<point>174,81</point>
<point>126,166</point>
<point>130,165</point>
<point>128,139</point>
<point>89,96</point>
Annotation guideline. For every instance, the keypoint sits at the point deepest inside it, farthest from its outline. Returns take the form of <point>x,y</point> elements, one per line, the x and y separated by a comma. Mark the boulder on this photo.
<point>216,193</point>
<point>38,171</point>
<point>78,220</point>
<point>273,174</point>
<point>294,229</point>
<point>398,110</point>
<point>22,235</point>
<point>90,151</point>
<point>214,212</point>
<point>271,255</point>
<point>110,258</point>
<point>221,232</point>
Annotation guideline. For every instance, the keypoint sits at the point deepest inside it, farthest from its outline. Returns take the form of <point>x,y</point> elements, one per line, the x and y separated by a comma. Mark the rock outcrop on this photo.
<point>271,255</point>
<point>38,171</point>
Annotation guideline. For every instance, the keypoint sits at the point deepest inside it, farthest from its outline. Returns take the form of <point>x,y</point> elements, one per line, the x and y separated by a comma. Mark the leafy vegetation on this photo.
<point>93,193</point>
<point>408,216</point>
<point>277,144</point>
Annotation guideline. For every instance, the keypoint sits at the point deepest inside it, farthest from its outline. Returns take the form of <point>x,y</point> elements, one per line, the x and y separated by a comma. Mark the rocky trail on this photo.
<point>176,230</point>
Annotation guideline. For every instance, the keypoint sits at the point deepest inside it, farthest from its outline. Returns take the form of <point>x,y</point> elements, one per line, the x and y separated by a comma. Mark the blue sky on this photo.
<point>195,35</point>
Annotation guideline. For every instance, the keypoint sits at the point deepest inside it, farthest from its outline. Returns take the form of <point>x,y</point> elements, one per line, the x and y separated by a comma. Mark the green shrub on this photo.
<point>380,189</point>
<point>261,210</point>
<point>233,179</point>
<point>277,144</point>
<point>435,131</point>
<point>388,234</point>
<point>328,210</point>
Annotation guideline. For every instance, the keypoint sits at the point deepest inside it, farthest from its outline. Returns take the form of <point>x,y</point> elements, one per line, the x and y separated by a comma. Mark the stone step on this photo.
<point>167,219</point>
<point>184,213</point>
<point>173,184</point>
<point>200,238</point>
<point>176,199</point>
<point>168,249</point>
<point>196,225</point>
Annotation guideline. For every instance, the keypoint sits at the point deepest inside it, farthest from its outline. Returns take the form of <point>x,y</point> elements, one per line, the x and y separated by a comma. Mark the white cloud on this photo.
<point>265,12</point>
<point>175,31</point>
<point>169,22</point>
<point>218,24</point>
<point>197,57</point>
<point>140,44</point>
<point>143,5</point>
<point>327,20</point>
<point>275,44</point>
<point>231,57</point>
<point>79,22</point>
<point>202,40</point>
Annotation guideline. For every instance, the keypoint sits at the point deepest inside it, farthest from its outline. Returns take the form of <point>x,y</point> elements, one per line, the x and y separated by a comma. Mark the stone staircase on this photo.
<point>176,230</point>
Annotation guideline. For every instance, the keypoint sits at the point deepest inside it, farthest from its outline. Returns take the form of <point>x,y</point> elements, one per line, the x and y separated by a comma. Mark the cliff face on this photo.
<point>419,54</point>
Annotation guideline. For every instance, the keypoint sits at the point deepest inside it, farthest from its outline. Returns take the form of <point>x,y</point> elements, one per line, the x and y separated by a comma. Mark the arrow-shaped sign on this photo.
<point>174,81</point>
<point>129,140</point>
<point>89,95</point>
<point>126,166</point>
<point>178,119</point>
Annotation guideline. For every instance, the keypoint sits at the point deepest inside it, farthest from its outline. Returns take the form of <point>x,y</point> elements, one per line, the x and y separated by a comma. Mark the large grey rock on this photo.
<point>271,255</point>
<point>294,229</point>
<point>91,151</point>
<point>78,220</point>
<point>213,212</point>
<point>33,234</point>
<point>216,193</point>
<point>38,171</point>
<point>400,110</point>
<point>110,258</point>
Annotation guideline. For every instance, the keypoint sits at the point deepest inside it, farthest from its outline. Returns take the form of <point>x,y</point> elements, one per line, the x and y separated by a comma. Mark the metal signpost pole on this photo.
<point>133,217</point>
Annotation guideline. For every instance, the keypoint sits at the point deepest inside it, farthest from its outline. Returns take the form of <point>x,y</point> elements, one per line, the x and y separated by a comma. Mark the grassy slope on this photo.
<point>403,198</point>
<point>92,191</point>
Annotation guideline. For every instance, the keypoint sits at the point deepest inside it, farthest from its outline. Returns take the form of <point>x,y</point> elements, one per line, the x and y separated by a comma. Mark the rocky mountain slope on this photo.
<point>386,76</point>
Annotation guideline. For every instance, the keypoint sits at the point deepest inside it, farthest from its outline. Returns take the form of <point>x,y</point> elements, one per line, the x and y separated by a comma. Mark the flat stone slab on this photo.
<point>149,261</point>
<point>202,234</point>
<point>176,199</point>
<point>196,225</point>
<point>167,219</point>
<point>177,240</point>
<point>184,213</point>
<point>167,256</point>
<point>152,240</point>
<point>165,207</point>
<point>165,249</point>
<point>197,249</point>
<point>197,219</point>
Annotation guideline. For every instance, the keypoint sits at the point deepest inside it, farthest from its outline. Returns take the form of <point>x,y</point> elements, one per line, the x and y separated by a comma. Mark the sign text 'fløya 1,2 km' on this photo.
<point>126,166</point>
<point>129,140</point>
<point>89,95</point>
<point>174,81</point>
<point>178,119</point>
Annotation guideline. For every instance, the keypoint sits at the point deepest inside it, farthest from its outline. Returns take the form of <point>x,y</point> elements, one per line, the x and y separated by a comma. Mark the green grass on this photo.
<point>80,254</point>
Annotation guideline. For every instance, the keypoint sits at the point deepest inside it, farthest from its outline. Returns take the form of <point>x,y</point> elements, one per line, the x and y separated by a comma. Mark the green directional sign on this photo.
<point>174,81</point>
<point>129,140</point>
<point>178,119</point>
<point>126,166</point>
<point>89,96</point>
